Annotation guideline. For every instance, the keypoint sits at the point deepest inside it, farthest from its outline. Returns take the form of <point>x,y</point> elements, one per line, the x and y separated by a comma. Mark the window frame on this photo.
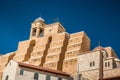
<point>48,77</point>
<point>36,76</point>
<point>21,72</point>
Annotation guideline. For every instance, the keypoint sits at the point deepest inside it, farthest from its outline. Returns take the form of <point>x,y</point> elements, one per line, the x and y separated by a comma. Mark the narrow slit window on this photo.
<point>105,64</point>
<point>90,64</point>
<point>108,64</point>
<point>93,63</point>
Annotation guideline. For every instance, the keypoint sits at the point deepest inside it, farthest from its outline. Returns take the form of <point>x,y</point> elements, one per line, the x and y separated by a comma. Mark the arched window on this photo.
<point>59,78</point>
<point>6,77</point>
<point>36,76</point>
<point>48,77</point>
<point>21,72</point>
<point>41,33</point>
<point>34,30</point>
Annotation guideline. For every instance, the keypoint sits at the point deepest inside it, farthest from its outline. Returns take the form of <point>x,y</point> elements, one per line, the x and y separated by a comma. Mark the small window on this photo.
<point>114,65</point>
<point>93,63</point>
<point>48,77</point>
<point>36,76</point>
<point>90,64</point>
<point>108,64</point>
<point>59,78</point>
<point>105,64</point>
<point>21,72</point>
<point>6,77</point>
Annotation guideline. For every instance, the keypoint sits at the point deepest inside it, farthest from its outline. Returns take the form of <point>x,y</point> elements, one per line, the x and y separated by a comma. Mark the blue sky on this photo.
<point>100,19</point>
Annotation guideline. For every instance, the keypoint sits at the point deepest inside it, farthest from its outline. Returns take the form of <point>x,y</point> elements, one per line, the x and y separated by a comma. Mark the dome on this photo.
<point>98,48</point>
<point>39,19</point>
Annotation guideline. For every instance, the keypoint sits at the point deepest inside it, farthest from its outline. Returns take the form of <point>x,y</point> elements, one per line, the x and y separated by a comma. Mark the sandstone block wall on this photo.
<point>40,51</point>
<point>50,46</point>
<point>24,50</point>
<point>108,63</point>
<point>77,43</point>
<point>111,52</point>
<point>54,28</point>
<point>89,65</point>
<point>90,75</point>
<point>56,52</point>
<point>111,73</point>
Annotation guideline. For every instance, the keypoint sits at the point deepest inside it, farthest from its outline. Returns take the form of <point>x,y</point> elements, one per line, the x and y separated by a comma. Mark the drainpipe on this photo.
<point>101,66</point>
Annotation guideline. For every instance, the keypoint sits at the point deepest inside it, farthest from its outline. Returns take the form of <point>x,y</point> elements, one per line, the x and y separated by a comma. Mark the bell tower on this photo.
<point>37,28</point>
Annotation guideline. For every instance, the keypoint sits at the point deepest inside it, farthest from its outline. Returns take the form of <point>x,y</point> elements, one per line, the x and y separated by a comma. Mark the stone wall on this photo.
<point>78,43</point>
<point>108,63</point>
<point>40,51</point>
<point>24,50</point>
<point>89,65</point>
<point>54,28</point>
<point>112,73</point>
<point>111,52</point>
<point>90,75</point>
<point>56,53</point>
<point>55,49</point>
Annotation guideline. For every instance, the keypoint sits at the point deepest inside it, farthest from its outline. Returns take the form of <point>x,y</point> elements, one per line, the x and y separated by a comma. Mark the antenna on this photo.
<point>99,43</point>
<point>57,19</point>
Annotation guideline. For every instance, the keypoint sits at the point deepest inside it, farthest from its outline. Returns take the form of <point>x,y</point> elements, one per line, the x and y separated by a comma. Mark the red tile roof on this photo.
<point>43,69</point>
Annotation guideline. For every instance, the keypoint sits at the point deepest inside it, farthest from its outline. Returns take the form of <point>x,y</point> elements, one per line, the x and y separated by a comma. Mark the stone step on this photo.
<point>55,57</point>
<point>74,47</point>
<point>75,40</point>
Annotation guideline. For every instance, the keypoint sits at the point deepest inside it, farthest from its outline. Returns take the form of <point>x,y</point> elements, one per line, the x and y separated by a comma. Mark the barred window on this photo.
<point>21,72</point>
<point>36,76</point>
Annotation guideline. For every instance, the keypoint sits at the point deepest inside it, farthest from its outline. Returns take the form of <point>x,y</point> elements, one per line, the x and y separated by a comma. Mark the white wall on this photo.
<point>10,70</point>
<point>13,71</point>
